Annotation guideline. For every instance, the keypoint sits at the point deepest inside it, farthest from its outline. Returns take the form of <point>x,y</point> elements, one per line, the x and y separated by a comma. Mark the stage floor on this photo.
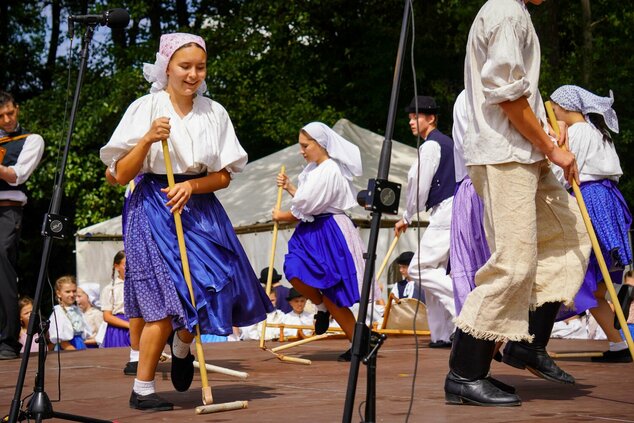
<point>93,384</point>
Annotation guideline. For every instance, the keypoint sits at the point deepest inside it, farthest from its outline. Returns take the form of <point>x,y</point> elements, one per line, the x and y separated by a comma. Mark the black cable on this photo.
<point>418,233</point>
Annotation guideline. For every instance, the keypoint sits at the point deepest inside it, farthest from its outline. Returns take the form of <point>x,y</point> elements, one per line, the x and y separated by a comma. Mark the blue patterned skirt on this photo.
<point>611,220</point>
<point>226,290</point>
<point>318,255</point>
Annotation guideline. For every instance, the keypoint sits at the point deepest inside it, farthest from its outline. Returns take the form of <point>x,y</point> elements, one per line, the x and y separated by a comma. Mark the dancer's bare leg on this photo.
<point>153,338</point>
<point>604,314</point>
<point>342,315</point>
<point>136,327</point>
<point>313,294</point>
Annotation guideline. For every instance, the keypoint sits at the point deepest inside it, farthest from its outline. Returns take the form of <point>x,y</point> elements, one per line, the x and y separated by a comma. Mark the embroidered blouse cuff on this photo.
<point>301,216</point>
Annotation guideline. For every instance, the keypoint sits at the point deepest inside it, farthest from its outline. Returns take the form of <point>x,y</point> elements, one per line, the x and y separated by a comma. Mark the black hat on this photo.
<point>405,258</point>
<point>426,105</point>
<point>293,293</point>
<point>265,273</point>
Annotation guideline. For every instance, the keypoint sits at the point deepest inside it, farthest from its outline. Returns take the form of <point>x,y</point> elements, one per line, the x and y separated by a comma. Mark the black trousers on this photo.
<point>10,227</point>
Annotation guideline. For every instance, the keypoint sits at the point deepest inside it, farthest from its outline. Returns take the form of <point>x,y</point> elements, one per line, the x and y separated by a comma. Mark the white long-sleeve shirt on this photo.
<point>25,165</point>
<point>458,131</point>
<point>418,186</point>
<point>322,189</point>
<point>596,158</point>
<point>502,64</point>
<point>202,141</point>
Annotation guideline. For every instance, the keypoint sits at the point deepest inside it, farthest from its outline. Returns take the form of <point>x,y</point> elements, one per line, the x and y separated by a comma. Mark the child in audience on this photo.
<point>92,315</point>
<point>25,307</point>
<point>297,316</point>
<point>68,329</point>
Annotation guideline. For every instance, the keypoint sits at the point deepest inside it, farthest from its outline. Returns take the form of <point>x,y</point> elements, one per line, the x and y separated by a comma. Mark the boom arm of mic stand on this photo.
<point>361,332</point>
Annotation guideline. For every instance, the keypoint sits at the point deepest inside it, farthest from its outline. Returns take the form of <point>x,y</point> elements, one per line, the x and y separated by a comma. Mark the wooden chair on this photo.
<point>398,318</point>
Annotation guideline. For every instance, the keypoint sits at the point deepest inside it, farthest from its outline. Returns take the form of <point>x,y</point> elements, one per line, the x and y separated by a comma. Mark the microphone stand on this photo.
<point>54,226</point>
<point>381,196</point>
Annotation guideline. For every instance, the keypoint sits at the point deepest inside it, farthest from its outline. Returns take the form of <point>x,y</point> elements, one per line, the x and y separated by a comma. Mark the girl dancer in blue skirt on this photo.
<point>590,118</point>
<point>325,254</point>
<point>204,152</point>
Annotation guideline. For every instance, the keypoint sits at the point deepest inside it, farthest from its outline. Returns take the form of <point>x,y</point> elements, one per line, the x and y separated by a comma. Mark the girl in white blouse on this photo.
<point>590,118</point>
<point>204,152</point>
<point>325,254</point>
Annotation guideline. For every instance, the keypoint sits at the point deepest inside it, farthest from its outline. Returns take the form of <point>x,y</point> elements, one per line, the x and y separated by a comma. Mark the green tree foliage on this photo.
<point>276,65</point>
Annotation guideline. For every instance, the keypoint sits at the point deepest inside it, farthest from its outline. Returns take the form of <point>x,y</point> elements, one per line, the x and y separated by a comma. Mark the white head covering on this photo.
<point>343,151</point>
<point>576,99</point>
<point>92,291</point>
<point>156,73</point>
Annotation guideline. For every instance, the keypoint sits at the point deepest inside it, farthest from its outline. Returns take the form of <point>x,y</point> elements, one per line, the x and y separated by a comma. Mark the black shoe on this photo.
<point>501,385</point>
<point>182,371</point>
<point>130,368</point>
<point>346,356</point>
<point>621,356</point>
<point>440,344</point>
<point>482,392</point>
<point>151,402</point>
<point>322,322</point>
<point>8,355</point>
<point>522,356</point>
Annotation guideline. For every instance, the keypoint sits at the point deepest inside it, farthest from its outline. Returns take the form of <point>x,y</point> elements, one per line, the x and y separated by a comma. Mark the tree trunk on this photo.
<point>586,50</point>
<point>49,69</point>
<point>182,15</point>
<point>155,20</point>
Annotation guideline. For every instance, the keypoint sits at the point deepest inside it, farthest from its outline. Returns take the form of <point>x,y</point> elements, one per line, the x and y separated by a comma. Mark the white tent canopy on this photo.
<point>250,199</point>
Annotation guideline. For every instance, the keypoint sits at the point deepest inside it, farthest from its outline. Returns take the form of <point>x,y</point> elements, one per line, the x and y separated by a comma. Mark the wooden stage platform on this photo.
<point>93,384</point>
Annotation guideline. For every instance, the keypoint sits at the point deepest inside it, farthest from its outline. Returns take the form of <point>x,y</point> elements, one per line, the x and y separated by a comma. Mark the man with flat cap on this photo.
<point>430,187</point>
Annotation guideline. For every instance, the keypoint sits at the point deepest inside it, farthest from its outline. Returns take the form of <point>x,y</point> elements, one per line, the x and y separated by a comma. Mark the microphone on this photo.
<point>113,18</point>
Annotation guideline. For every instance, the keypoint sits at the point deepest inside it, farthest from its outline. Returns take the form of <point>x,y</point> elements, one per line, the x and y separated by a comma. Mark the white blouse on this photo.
<point>322,189</point>
<point>596,158</point>
<point>502,64</point>
<point>202,141</point>
<point>111,297</point>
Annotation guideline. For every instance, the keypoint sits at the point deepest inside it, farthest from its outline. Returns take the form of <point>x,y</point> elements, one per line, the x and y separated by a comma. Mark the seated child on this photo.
<point>253,332</point>
<point>92,316</point>
<point>297,316</point>
<point>68,328</point>
<point>25,307</point>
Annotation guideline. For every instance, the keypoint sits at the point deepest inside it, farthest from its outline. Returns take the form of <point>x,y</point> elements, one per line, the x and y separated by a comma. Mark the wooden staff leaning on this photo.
<point>206,389</point>
<point>595,243</point>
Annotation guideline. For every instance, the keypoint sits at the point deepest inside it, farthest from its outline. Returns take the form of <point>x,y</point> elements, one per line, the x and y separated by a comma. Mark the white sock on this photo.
<point>180,348</point>
<point>321,306</point>
<point>143,388</point>
<point>618,346</point>
<point>134,355</point>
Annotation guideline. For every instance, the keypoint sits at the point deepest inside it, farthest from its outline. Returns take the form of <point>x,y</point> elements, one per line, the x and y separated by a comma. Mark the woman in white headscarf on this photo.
<point>325,254</point>
<point>590,118</point>
<point>204,152</point>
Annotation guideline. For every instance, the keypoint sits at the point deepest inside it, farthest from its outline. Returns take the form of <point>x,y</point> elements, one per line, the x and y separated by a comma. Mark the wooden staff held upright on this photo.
<point>269,278</point>
<point>595,243</point>
<point>206,389</point>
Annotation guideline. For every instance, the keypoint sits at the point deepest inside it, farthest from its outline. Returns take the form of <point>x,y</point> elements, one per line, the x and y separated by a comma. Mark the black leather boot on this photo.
<point>533,356</point>
<point>467,382</point>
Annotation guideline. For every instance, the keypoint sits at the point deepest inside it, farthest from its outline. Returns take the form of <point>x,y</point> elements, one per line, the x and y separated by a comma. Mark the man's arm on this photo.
<point>28,160</point>
<point>524,120</point>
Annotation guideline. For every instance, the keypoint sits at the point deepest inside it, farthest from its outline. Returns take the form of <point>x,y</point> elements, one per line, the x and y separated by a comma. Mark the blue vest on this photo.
<point>14,148</point>
<point>443,183</point>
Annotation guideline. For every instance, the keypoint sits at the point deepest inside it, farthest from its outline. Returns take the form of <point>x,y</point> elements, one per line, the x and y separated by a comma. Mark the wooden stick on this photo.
<point>235,405</point>
<point>301,342</point>
<point>212,368</point>
<point>206,389</point>
<point>575,354</point>
<point>595,244</point>
<point>403,332</point>
<point>283,357</point>
<point>387,256</point>
<point>269,278</point>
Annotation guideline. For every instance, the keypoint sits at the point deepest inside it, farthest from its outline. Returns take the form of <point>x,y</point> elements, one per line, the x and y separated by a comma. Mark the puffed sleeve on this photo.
<point>134,124</point>
<point>503,72</point>
<point>230,154</point>
<point>60,329</point>
<point>320,189</point>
